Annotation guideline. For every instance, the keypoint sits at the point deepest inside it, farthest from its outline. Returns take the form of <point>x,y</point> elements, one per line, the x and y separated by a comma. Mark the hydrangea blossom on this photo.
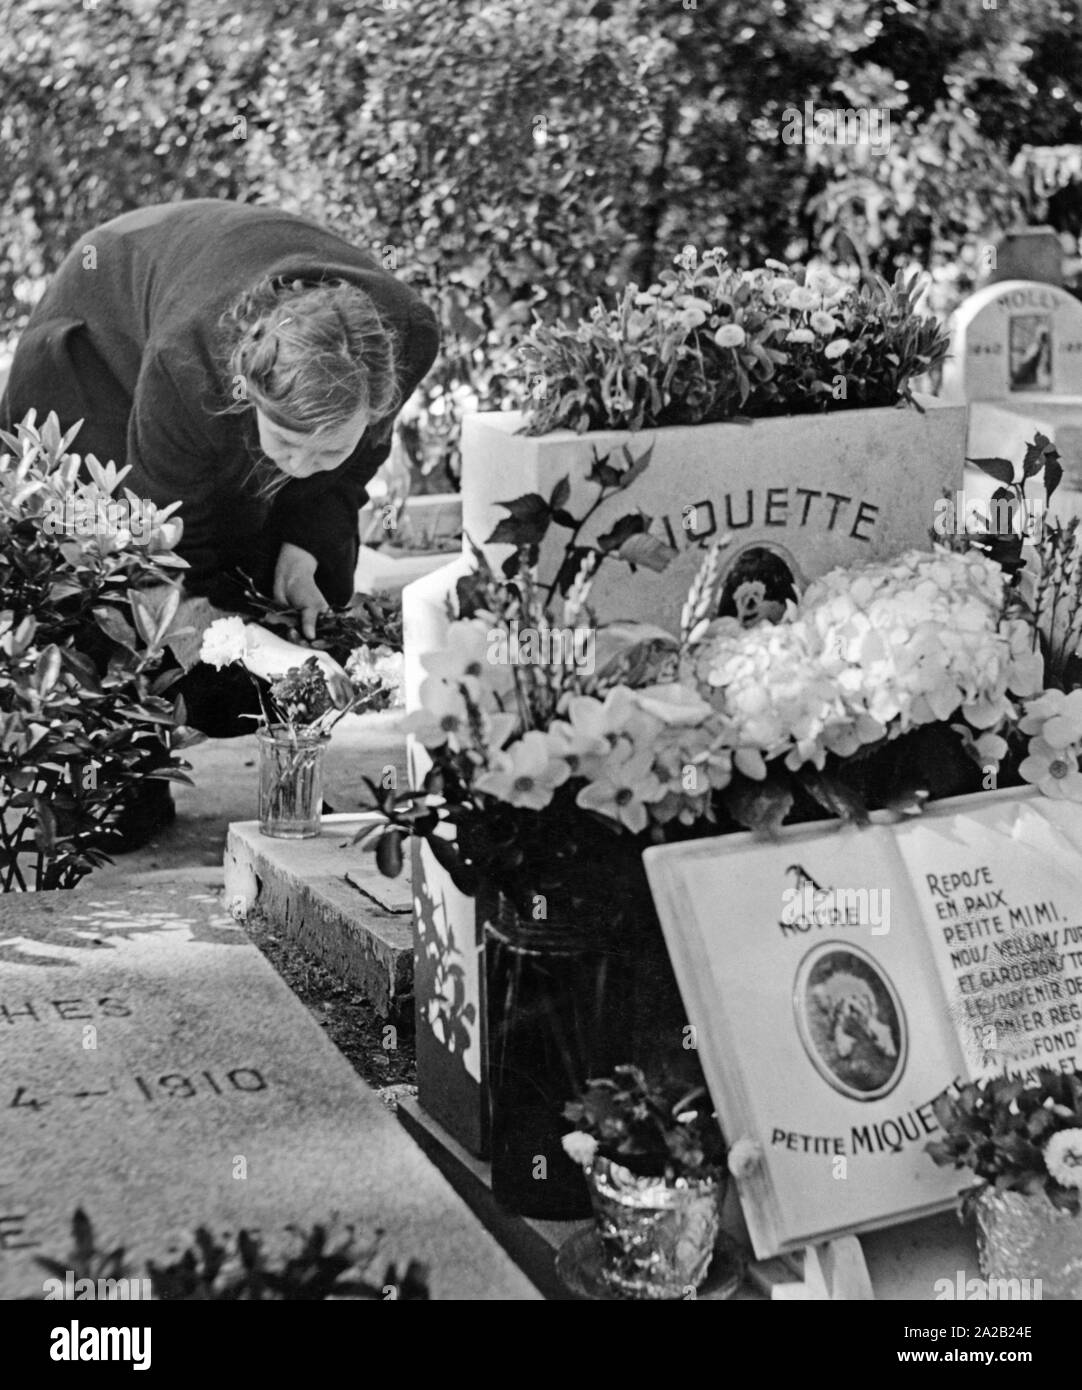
<point>871,653</point>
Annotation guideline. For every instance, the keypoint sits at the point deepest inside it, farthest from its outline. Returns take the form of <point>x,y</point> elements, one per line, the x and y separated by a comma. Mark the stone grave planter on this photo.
<point>437,519</point>
<point>815,490</point>
<point>388,569</point>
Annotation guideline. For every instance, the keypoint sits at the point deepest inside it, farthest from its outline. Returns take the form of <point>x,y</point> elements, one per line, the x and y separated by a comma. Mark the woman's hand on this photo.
<point>270,656</point>
<point>295,586</point>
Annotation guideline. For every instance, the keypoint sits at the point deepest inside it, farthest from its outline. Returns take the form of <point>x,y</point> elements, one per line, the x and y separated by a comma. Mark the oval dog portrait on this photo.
<point>850,1021</point>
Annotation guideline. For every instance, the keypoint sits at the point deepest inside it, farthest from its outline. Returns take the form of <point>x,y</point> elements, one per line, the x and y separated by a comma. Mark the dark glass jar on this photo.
<point>560,1010</point>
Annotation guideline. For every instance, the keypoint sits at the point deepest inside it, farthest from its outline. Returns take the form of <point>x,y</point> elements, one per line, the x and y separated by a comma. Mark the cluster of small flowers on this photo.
<point>870,654</point>
<point>376,670</point>
<point>808,306</point>
<point>301,696</point>
<point>802,310</point>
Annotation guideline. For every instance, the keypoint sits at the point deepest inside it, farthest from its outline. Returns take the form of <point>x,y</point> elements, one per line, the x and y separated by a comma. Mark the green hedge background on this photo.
<point>518,156</point>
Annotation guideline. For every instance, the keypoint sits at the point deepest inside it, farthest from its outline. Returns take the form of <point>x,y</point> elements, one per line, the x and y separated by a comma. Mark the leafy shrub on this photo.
<point>707,342</point>
<point>85,717</point>
<point>504,158</point>
<point>238,1269</point>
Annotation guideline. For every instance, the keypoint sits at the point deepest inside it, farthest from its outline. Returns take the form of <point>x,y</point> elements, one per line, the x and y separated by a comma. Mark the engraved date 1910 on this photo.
<point>170,1086</point>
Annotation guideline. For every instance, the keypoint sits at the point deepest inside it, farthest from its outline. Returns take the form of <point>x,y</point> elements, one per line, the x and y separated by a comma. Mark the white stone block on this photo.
<point>818,491</point>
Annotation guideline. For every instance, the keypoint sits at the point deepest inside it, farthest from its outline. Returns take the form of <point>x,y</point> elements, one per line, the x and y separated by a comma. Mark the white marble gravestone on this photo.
<point>1016,357</point>
<point>155,1071</point>
<point>1015,339</point>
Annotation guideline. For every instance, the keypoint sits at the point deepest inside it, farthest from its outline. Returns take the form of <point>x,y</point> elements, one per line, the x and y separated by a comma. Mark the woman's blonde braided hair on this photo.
<point>309,356</point>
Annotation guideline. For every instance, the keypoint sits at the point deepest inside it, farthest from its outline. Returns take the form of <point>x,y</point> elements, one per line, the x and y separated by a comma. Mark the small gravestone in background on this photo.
<point>1013,339</point>
<point>1016,357</point>
<point>1027,253</point>
<point>155,1071</point>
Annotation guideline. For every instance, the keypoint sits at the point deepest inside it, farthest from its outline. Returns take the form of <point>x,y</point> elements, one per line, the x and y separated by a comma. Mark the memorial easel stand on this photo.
<point>834,1271</point>
<point>913,1260</point>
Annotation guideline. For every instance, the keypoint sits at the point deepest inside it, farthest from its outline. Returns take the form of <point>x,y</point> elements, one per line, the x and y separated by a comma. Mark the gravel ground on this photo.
<point>382,1054</point>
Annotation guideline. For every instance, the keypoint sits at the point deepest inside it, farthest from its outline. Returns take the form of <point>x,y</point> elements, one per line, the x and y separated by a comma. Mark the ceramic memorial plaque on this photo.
<point>840,979</point>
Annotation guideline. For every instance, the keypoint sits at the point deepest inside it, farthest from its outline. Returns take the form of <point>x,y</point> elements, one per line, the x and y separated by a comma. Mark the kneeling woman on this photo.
<point>245,362</point>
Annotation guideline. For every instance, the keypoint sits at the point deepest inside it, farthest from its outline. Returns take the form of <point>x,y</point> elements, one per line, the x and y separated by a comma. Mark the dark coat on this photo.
<point>127,338</point>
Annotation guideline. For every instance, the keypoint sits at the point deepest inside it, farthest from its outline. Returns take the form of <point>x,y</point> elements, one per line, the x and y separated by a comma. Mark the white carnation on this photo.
<point>224,642</point>
<point>580,1147</point>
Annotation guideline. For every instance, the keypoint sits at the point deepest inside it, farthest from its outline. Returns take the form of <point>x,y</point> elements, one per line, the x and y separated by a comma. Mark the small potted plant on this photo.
<point>300,708</point>
<point>1022,1140</point>
<point>654,1159</point>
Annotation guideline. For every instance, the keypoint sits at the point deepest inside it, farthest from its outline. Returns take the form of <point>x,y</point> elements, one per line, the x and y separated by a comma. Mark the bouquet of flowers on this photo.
<point>308,699</point>
<point>301,704</point>
<point>933,674</point>
<point>710,342</point>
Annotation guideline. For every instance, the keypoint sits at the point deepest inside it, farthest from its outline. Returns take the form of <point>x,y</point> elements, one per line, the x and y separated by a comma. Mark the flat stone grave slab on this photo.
<point>330,898</point>
<point>155,1071</point>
